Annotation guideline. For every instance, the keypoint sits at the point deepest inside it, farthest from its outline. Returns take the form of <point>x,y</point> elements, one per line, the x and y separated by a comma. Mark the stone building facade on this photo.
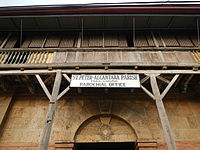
<point>41,48</point>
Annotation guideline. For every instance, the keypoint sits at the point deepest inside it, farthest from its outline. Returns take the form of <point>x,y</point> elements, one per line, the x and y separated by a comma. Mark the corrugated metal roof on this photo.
<point>14,3</point>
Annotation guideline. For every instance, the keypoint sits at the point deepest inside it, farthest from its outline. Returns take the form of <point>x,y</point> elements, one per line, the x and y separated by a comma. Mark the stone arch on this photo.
<point>105,128</point>
<point>132,113</point>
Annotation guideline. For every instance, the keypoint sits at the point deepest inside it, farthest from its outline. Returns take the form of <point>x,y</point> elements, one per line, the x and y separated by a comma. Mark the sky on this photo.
<point>6,3</point>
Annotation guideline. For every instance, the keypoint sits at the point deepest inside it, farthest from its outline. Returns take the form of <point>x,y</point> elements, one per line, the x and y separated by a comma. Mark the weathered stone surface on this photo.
<point>133,118</point>
<point>179,122</point>
<point>187,134</point>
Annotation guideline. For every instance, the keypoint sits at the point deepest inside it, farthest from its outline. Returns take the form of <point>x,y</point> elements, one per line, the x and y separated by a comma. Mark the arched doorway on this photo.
<point>107,132</point>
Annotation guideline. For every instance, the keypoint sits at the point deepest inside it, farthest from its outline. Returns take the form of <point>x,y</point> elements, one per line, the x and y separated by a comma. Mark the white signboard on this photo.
<point>105,80</point>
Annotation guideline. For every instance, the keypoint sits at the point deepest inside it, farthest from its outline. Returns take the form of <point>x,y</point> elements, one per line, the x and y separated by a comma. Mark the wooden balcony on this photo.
<point>69,58</point>
<point>99,49</point>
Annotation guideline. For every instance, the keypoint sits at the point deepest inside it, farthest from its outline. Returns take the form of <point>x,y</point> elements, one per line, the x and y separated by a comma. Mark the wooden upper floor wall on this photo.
<point>117,40</point>
<point>163,48</point>
<point>99,39</point>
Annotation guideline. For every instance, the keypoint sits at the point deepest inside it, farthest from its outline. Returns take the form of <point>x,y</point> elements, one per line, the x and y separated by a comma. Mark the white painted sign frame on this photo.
<point>105,81</point>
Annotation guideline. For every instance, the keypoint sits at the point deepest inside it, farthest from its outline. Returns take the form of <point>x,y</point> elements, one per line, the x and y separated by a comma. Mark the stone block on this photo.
<point>194,122</point>
<point>60,124</point>
<point>179,122</point>
<point>121,130</point>
<point>152,122</point>
<point>123,138</point>
<point>42,102</point>
<point>18,123</point>
<point>157,134</point>
<point>60,136</point>
<point>152,111</point>
<point>29,111</point>
<point>139,125</point>
<point>189,134</point>
<point>16,112</point>
<point>195,105</point>
<point>184,110</point>
<point>143,133</point>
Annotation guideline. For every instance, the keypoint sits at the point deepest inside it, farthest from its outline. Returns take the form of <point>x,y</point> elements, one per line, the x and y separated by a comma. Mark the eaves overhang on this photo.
<point>61,10</point>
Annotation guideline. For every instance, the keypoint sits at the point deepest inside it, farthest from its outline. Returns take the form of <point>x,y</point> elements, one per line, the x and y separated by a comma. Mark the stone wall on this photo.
<point>134,117</point>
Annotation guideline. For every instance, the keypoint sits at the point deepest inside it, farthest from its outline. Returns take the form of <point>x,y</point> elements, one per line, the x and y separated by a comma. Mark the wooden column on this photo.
<point>51,111</point>
<point>169,138</point>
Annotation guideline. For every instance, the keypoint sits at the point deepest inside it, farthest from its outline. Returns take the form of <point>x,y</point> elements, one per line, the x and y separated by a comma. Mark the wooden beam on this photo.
<point>185,85</point>
<point>27,72</point>
<point>79,40</point>
<point>168,135</point>
<point>144,79</point>
<point>101,64</point>
<point>43,86</point>
<point>169,86</point>
<point>66,89</point>
<point>6,40</point>
<point>48,79</point>
<point>147,92</point>
<point>163,79</point>
<point>56,86</point>
<point>50,115</point>
<point>106,48</point>
<point>63,92</point>
<point>67,77</point>
<point>44,142</point>
<point>70,71</point>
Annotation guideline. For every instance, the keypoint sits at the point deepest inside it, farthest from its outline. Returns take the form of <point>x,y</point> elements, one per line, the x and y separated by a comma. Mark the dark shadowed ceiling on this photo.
<point>96,22</point>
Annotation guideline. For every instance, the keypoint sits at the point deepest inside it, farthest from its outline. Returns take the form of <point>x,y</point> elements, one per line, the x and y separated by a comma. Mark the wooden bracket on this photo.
<point>157,96</point>
<point>168,134</point>
<point>42,83</point>
<point>185,85</point>
<point>170,83</point>
<point>169,86</point>
<point>66,89</point>
<point>43,86</point>
<point>146,78</point>
<point>52,106</point>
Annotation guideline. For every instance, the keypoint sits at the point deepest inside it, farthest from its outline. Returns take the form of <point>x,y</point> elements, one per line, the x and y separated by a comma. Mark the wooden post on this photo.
<point>51,111</point>
<point>169,138</point>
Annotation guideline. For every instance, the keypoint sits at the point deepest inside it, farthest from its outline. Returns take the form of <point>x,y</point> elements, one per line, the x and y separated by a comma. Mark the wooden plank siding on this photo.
<point>98,39</point>
<point>100,57</point>
<point>99,48</point>
<point>12,41</point>
<point>53,40</point>
<point>169,39</point>
<point>111,39</point>
<point>141,40</point>
<point>68,40</point>
<point>37,40</point>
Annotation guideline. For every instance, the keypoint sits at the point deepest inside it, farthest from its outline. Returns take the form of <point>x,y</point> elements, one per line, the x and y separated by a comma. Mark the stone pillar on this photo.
<point>64,145</point>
